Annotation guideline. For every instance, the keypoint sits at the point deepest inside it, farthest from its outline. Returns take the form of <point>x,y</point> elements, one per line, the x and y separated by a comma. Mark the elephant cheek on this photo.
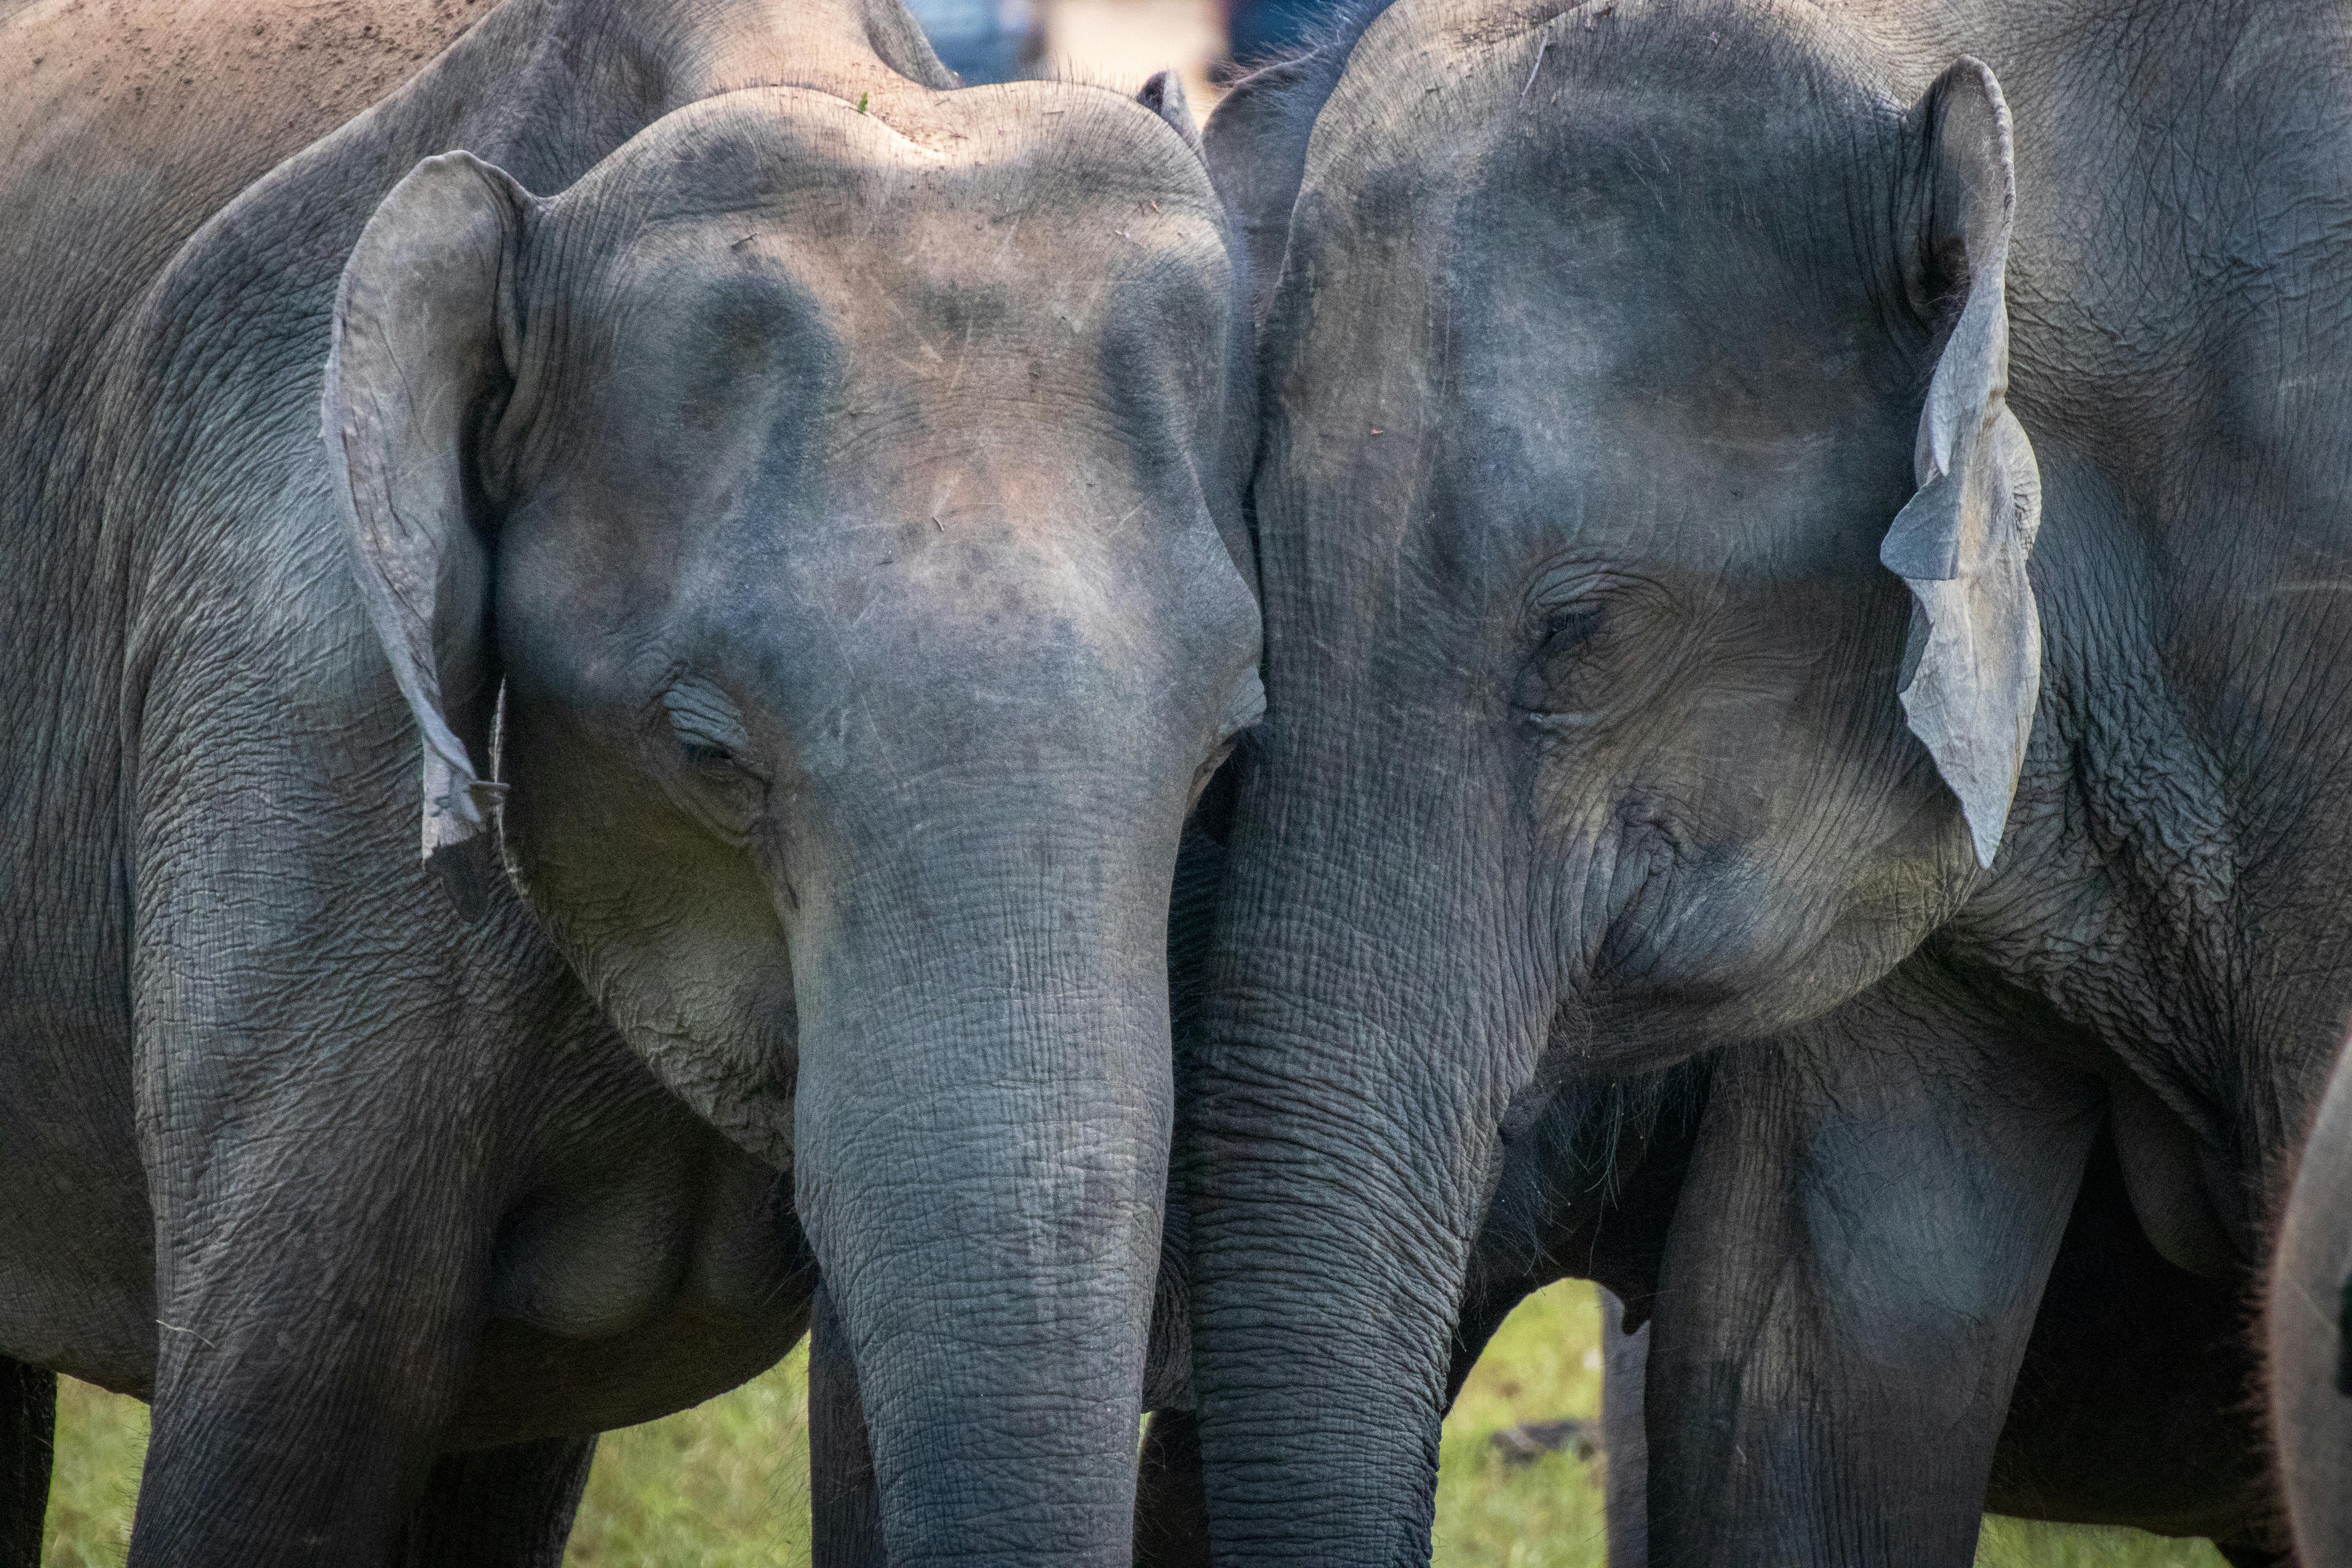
<point>678,940</point>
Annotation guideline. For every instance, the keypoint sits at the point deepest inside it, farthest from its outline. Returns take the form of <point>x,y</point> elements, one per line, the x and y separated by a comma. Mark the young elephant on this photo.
<point>1644,507</point>
<point>795,501</point>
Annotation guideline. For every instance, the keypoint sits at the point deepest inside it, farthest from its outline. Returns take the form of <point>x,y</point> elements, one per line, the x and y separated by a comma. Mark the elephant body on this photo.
<point>387,1207</point>
<point>472,1150</point>
<point>1831,530</point>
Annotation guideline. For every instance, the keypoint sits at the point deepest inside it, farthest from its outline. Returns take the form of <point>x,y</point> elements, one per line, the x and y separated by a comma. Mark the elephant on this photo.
<point>1757,544</point>
<point>615,609</point>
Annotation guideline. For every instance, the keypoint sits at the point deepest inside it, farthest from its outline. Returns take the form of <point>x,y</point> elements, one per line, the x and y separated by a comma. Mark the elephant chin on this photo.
<point>702,992</point>
<point>725,1046</point>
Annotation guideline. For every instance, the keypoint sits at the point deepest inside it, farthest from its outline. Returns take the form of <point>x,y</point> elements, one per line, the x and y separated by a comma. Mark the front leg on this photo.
<point>315,1327</point>
<point>1851,1280</point>
<point>334,1113</point>
<point>28,1419</point>
<point>1625,1371</point>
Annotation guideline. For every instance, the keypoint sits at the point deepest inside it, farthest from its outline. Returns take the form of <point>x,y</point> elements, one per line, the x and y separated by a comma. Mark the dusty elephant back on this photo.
<point>124,126</point>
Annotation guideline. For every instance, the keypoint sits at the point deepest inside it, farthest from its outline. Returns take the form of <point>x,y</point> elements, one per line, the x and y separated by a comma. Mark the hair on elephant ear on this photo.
<point>421,362</point>
<point>1973,669</point>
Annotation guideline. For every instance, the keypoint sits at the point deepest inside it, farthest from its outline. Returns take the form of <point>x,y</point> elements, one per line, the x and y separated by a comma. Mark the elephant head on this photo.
<point>1650,655</point>
<point>807,538</point>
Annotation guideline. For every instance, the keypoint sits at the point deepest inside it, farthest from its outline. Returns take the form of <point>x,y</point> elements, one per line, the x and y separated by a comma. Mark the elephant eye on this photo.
<point>706,724</point>
<point>1570,628</point>
<point>721,784</point>
<point>1559,677</point>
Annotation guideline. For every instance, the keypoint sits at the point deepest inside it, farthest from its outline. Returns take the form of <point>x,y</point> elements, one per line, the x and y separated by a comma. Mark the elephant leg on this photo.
<point>288,1433</point>
<point>1171,1507</point>
<point>1625,1365</point>
<point>845,1504</point>
<point>1850,1282</point>
<point>499,1508</point>
<point>319,1304</point>
<point>224,1483</point>
<point>2131,1406</point>
<point>28,1418</point>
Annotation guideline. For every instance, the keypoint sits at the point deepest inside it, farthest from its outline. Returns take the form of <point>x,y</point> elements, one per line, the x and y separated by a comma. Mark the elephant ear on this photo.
<point>421,364</point>
<point>1164,96</point>
<point>1255,147</point>
<point>1973,672</point>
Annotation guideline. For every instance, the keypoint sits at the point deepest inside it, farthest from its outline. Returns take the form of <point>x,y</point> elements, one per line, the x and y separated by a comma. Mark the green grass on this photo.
<point>725,1484</point>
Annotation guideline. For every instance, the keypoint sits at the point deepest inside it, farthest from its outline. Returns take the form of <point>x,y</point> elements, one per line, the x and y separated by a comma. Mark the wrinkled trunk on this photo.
<point>981,1134</point>
<point>1363,1032</point>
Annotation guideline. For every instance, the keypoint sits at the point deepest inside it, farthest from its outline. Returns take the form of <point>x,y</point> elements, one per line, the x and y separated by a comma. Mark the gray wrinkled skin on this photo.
<point>1600,365</point>
<point>833,468</point>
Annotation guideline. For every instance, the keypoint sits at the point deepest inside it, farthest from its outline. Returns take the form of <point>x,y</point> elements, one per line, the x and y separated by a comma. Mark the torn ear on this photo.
<point>1164,96</point>
<point>421,363</point>
<point>1974,672</point>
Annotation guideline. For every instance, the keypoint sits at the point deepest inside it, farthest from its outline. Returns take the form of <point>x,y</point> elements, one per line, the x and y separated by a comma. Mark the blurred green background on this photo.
<point>725,1485</point>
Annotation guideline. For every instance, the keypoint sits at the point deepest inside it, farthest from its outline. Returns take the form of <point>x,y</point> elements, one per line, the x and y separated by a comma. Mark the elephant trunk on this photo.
<point>981,1135</point>
<point>1341,1110</point>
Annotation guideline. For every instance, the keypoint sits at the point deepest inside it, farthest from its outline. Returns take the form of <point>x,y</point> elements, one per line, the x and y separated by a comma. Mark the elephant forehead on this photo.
<point>1061,219</point>
<point>901,167</point>
<point>1591,319</point>
<point>1732,109</point>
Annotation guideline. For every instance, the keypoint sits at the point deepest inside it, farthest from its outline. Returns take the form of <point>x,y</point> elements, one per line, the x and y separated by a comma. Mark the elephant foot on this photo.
<point>28,1418</point>
<point>499,1508</point>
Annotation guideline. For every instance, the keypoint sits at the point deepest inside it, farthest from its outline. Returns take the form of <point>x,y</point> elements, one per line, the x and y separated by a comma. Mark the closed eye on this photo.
<point>1570,627</point>
<point>706,724</point>
<point>1551,683</point>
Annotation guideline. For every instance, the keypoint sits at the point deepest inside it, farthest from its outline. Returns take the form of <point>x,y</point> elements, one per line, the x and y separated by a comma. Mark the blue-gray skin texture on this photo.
<point>1595,367</point>
<point>833,471</point>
